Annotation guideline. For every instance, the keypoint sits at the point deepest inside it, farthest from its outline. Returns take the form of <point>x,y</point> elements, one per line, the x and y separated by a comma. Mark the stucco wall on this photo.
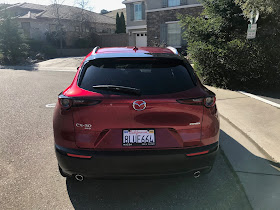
<point>39,27</point>
<point>128,17</point>
<point>155,19</point>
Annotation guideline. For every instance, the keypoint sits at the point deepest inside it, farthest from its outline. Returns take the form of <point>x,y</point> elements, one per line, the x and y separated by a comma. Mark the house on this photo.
<point>153,23</point>
<point>113,13</point>
<point>38,20</point>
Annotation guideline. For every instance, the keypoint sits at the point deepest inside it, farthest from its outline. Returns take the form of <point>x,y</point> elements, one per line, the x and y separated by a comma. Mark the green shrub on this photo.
<point>53,38</point>
<point>223,56</point>
<point>13,45</point>
<point>49,51</point>
<point>82,43</point>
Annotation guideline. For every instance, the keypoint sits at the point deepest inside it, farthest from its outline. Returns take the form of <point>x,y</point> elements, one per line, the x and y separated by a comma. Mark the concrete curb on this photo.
<point>37,68</point>
<point>261,99</point>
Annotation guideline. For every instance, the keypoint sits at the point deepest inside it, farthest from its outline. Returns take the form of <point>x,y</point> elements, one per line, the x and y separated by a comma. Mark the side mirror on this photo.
<point>78,68</point>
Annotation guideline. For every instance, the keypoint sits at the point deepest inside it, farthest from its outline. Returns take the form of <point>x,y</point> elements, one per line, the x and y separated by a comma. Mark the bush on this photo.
<point>83,42</point>
<point>49,51</point>
<point>223,56</point>
<point>53,38</point>
<point>13,45</point>
<point>37,46</point>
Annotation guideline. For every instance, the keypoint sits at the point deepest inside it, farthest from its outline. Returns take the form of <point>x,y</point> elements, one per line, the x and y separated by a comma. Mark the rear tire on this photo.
<point>62,172</point>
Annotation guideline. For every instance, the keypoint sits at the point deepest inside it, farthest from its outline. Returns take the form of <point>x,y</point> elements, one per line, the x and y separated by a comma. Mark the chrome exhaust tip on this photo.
<point>196,174</point>
<point>79,177</point>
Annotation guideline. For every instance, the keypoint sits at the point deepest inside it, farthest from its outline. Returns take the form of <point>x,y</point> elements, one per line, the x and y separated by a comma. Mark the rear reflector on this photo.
<point>78,156</point>
<point>197,153</point>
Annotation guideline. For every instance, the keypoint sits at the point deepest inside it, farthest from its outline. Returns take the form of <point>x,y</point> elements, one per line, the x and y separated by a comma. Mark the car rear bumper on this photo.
<point>102,164</point>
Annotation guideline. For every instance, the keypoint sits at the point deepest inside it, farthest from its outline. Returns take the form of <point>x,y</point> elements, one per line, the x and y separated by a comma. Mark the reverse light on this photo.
<point>65,102</point>
<point>209,101</point>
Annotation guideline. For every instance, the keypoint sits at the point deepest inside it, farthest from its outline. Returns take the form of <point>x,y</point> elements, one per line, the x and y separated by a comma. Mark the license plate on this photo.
<point>139,138</point>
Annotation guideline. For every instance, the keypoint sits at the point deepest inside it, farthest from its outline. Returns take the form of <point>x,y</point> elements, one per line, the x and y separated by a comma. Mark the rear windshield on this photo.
<point>150,76</point>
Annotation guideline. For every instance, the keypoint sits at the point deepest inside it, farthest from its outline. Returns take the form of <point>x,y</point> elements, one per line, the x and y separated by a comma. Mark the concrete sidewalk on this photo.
<point>249,139</point>
<point>56,64</point>
<point>258,120</point>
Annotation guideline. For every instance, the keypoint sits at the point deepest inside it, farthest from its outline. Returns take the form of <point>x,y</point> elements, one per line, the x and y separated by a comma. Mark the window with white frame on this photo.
<point>174,34</point>
<point>173,3</point>
<point>138,11</point>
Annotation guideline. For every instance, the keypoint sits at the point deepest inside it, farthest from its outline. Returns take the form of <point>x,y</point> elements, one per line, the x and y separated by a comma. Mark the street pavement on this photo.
<point>29,178</point>
<point>249,139</point>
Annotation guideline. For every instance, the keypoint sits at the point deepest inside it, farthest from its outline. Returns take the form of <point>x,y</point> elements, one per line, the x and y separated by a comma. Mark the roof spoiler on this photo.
<point>95,49</point>
<point>173,49</point>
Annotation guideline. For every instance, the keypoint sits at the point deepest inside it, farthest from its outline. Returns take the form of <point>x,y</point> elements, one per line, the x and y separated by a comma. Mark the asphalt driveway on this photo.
<point>29,178</point>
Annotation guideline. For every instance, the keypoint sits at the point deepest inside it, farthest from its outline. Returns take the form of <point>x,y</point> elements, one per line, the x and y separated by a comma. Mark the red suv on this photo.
<point>135,112</point>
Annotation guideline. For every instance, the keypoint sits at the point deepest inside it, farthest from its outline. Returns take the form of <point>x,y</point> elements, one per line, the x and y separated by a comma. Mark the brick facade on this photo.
<point>155,19</point>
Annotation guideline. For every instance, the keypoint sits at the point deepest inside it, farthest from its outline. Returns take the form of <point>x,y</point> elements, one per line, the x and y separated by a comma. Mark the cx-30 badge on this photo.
<point>139,105</point>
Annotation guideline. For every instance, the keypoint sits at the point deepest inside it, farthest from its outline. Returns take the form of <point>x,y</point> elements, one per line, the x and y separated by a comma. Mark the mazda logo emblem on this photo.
<point>139,105</point>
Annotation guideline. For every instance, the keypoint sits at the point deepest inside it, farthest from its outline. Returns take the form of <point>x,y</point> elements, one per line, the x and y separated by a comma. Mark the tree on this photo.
<point>117,23</point>
<point>12,43</point>
<point>58,22</point>
<point>221,53</point>
<point>83,17</point>
<point>122,24</point>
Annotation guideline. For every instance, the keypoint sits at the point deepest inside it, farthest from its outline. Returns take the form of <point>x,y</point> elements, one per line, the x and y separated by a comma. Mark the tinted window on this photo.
<point>152,76</point>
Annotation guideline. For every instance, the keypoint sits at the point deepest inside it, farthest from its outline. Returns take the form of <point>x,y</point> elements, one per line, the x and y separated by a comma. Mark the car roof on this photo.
<point>132,52</point>
<point>137,50</point>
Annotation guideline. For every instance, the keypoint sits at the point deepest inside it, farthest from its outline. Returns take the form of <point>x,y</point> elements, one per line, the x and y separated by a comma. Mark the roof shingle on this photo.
<point>74,13</point>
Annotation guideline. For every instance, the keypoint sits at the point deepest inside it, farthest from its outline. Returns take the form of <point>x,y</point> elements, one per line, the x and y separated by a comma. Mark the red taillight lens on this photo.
<point>79,156</point>
<point>197,153</point>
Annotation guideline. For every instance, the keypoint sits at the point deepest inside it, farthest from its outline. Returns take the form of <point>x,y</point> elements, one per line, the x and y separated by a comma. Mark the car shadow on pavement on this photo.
<point>24,68</point>
<point>257,172</point>
<point>218,190</point>
<point>242,159</point>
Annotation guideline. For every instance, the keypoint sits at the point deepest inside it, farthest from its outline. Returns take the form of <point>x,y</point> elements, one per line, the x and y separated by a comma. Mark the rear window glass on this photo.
<point>150,76</point>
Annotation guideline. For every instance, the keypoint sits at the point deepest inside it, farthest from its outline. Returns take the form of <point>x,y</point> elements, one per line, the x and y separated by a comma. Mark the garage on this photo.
<point>141,39</point>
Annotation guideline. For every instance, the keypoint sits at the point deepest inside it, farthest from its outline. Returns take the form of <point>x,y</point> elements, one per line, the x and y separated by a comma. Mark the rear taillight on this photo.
<point>207,102</point>
<point>210,101</point>
<point>85,102</point>
<point>195,101</point>
<point>67,102</point>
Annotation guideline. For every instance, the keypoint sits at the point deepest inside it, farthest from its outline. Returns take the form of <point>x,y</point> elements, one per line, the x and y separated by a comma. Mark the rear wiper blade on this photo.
<point>117,88</point>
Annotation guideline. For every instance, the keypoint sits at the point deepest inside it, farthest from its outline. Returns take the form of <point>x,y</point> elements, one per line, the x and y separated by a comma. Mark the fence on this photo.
<point>101,40</point>
<point>110,40</point>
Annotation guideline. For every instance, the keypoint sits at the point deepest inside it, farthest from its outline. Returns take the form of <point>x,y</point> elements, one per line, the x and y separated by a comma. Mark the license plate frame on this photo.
<point>147,137</point>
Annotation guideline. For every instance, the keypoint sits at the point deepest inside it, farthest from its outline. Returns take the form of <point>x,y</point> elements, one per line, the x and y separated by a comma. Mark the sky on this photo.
<point>96,5</point>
